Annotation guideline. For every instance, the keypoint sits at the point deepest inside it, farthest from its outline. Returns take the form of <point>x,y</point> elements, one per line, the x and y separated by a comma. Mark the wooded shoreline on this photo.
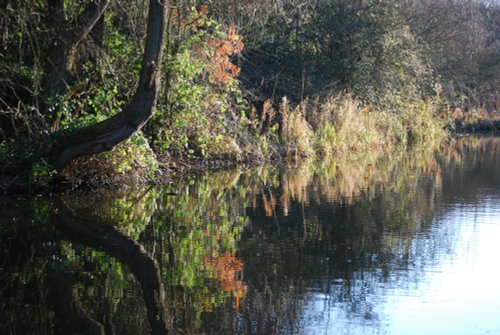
<point>104,93</point>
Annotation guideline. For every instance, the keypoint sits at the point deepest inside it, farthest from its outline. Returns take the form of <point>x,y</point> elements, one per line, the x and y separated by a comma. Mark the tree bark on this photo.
<point>104,136</point>
<point>62,52</point>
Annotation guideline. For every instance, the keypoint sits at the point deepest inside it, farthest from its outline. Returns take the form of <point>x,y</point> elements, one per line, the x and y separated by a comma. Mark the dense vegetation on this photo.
<point>238,82</point>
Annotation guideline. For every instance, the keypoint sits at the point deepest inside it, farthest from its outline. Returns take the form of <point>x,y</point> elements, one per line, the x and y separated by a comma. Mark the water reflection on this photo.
<point>378,246</point>
<point>103,236</point>
<point>458,293</point>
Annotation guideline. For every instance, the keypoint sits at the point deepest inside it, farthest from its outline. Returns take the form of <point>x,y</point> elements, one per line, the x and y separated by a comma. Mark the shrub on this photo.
<point>325,140</point>
<point>131,162</point>
<point>198,113</point>
<point>23,162</point>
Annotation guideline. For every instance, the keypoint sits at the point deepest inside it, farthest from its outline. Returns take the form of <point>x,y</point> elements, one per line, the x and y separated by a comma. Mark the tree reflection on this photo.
<point>61,279</point>
<point>251,251</point>
<point>24,255</point>
<point>105,237</point>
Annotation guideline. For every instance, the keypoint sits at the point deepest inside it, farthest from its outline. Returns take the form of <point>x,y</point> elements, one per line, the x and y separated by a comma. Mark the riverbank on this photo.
<point>338,129</point>
<point>332,80</point>
<point>250,241</point>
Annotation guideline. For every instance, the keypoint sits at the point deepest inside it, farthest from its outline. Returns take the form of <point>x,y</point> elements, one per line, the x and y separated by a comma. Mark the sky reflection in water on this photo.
<point>400,245</point>
<point>457,291</point>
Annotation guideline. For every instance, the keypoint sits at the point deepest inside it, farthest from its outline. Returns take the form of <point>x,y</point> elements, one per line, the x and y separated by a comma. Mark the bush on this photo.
<point>198,114</point>
<point>131,162</point>
<point>24,164</point>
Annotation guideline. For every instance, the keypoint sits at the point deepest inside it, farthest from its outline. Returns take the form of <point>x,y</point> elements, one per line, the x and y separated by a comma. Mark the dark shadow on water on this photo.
<point>41,293</point>
<point>262,251</point>
<point>105,237</point>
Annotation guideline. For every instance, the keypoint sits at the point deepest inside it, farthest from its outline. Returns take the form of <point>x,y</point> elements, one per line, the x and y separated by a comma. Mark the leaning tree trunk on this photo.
<point>104,136</point>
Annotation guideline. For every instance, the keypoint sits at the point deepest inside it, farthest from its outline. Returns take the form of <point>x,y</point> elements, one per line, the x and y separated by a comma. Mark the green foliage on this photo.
<point>102,88</point>
<point>101,92</point>
<point>92,106</point>
<point>198,101</point>
<point>41,173</point>
<point>26,159</point>
<point>131,162</point>
<point>387,59</point>
<point>123,61</point>
<point>325,140</point>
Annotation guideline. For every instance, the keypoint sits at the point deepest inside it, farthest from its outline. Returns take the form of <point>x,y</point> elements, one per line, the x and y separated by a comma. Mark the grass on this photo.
<point>337,128</point>
<point>341,126</point>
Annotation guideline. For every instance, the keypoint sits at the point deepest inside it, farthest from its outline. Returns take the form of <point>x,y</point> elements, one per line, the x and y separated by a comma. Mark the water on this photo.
<point>400,245</point>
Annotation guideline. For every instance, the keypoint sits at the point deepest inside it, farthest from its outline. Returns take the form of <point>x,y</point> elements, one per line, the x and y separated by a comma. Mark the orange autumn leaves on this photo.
<point>217,51</point>
<point>216,48</point>
<point>221,69</point>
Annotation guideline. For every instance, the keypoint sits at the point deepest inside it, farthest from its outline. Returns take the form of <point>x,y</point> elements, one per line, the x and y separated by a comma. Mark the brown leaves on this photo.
<point>221,69</point>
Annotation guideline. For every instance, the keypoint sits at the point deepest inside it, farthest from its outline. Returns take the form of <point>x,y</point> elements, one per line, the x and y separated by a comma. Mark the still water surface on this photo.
<point>406,245</point>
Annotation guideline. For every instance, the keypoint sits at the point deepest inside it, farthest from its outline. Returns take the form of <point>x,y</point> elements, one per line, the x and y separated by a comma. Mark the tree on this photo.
<point>105,135</point>
<point>462,44</point>
<point>62,50</point>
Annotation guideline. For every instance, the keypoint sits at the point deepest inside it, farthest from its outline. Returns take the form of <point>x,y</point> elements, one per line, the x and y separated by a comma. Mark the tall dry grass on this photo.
<point>341,126</point>
<point>355,126</point>
<point>296,133</point>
